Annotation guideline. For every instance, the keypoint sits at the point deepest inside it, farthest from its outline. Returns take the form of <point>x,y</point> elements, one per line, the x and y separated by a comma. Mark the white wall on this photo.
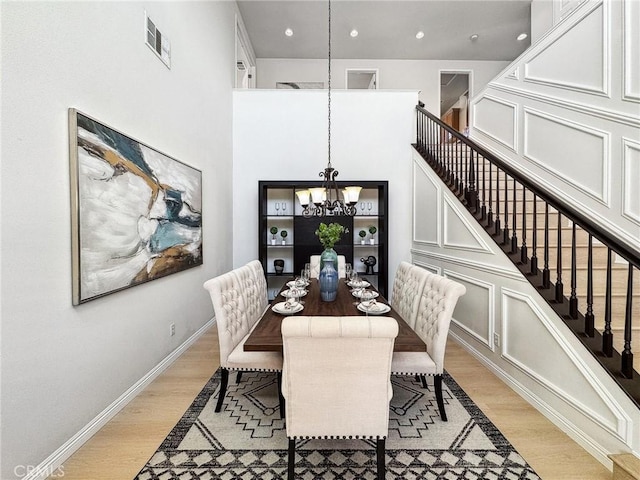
<point>282,135</point>
<point>567,114</point>
<point>64,365</point>
<point>421,75</point>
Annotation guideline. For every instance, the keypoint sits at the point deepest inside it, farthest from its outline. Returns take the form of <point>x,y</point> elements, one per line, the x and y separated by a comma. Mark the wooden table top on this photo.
<point>267,336</point>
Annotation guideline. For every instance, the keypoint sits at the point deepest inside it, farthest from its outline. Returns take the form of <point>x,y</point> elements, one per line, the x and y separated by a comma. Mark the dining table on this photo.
<point>267,337</point>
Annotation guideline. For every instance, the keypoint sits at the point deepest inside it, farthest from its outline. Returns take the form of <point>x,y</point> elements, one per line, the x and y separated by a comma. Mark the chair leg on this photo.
<point>223,388</point>
<point>292,458</point>
<point>437,381</point>
<point>380,458</point>
<point>238,376</point>
<point>280,396</point>
<point>423,379</point>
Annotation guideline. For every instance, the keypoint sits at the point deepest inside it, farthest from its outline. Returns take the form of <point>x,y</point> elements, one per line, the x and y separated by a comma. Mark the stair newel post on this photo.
<point>573,299</point>
<point>418,131</point>
<point>524,258</point>
<point>627,354</point>
<point>546,273</point>
<point>534,239</point>
<point>559,286</point>
<point>607,334</point>
<point>505,231</point>
<point>514,221</point>
<point>589,320</point>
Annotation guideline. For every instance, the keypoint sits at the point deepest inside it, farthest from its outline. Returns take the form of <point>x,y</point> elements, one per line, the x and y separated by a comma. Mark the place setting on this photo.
<point>294,294</point>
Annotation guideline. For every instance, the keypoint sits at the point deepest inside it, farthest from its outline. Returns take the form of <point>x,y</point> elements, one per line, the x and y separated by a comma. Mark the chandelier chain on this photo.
<point>329,93</point>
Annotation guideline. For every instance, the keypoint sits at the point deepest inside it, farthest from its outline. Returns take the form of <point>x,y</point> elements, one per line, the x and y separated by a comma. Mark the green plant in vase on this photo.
<point>273,231</point>
<point>362,234</point>
<point>329,235</point>
<point>372,231</point>
<point>284,234</point>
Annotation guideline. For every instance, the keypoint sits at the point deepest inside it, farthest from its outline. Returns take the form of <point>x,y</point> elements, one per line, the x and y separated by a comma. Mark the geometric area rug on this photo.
<point>247,439</point>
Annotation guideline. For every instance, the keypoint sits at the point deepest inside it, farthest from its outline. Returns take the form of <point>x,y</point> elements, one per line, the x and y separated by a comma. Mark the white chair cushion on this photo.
<point>407,289</point>
<point>412,363</point>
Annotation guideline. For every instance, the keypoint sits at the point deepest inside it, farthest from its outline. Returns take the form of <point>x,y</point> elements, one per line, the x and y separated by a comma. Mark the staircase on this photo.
<point>584,273</point>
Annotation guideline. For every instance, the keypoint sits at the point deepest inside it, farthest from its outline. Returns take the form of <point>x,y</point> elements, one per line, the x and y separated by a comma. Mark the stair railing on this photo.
<point>501,199</point>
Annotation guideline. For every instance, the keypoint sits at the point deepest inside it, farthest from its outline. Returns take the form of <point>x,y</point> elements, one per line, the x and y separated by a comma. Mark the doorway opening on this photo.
<point>362,79</point>
<point>454,99</point>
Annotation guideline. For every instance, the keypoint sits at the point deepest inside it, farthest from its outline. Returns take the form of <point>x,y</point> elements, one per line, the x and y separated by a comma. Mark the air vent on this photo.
<point>241,66</point>
<point>157,42</point>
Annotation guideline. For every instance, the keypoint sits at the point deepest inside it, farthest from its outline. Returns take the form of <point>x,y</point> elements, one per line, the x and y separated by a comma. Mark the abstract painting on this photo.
<point>136,212</point>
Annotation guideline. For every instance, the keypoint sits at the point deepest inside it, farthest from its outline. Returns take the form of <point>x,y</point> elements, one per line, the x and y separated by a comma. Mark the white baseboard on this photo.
<point>52,463</point>
<point>597,451</point>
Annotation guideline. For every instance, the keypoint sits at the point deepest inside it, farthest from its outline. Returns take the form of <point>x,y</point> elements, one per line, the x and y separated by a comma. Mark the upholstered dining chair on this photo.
<point>261,280</point>
<point>314,263</point>
<point>336,379</point>
<point>235,319</point>
<point>407,288</point>
<point>437,302</point>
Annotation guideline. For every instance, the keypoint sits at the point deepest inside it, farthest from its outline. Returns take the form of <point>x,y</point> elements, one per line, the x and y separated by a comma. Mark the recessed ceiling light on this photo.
<point>354,33</point>
<point>288,32</point>
<point>420,35</point>
<point>522,36</point>
<point>474,37</point>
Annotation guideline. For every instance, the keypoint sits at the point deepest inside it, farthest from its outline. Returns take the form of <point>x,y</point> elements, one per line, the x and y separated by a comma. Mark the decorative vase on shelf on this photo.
<point>278,266</point>
<point>328,277</point>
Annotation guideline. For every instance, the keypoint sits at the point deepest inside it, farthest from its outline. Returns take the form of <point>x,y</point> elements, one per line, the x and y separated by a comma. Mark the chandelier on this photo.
<point>325,200</point>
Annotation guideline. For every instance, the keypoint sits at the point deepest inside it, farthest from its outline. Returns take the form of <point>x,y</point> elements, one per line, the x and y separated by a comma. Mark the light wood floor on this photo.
<point>120,449</point>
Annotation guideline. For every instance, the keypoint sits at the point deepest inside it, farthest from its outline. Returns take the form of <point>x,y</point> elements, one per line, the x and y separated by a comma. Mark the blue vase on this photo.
<point>328,281</point>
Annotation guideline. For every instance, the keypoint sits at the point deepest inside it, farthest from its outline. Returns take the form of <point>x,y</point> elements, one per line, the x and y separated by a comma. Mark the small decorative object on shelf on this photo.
<point>372,231</point>
<point>362,234</point>
<point>278,265</point>
<point>284,234</point>
<point>273,231</point>
<point>369,262</point>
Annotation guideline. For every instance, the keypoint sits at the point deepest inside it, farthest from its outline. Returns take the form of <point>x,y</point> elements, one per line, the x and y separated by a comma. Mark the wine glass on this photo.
<point>277,208</point>
<point>284,208</point>
<point>369,207</point>
<point>366,299</point>
<point>362,205</point>
<point>347,271</point>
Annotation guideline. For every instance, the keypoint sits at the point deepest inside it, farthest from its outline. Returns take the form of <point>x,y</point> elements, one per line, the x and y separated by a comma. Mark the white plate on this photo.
<point>288,294</point>
<point>280,308</point>
<point>359,284</point>
<point>375,309</point>
<point>293,284</point>
<point>358,293</point>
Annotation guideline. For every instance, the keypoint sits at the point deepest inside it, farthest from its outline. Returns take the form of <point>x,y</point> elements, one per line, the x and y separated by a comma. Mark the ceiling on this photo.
<point>387,29</point>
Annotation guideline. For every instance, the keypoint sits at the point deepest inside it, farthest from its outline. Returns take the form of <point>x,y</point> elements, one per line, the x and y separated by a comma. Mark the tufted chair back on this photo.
<point>407,288</point>
<point>251,295</point>
<point>437,302</point>
<point>230,311</point>
<point>314,262</point>
<point>261,280</point>
<point>336,375</point>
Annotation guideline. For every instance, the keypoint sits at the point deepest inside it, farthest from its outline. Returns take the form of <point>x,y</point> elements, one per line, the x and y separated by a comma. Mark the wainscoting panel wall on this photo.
<point>574,100</point>
<point>506,324</point>
<point>426,207</point>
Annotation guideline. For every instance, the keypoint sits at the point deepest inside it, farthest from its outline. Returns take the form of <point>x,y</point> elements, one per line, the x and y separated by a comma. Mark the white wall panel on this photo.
<point>458,233</point>
<point>631,31</point>
<point>522,321</point>
<point>576,153</point>
<point>475,310</point>
<point>427,225</point>
<point>498,119</point>
<point>631,168</point>
<point>562,63</point>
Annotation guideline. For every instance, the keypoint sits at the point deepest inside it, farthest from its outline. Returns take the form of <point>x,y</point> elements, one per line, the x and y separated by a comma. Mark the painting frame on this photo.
<point>136,212</point>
